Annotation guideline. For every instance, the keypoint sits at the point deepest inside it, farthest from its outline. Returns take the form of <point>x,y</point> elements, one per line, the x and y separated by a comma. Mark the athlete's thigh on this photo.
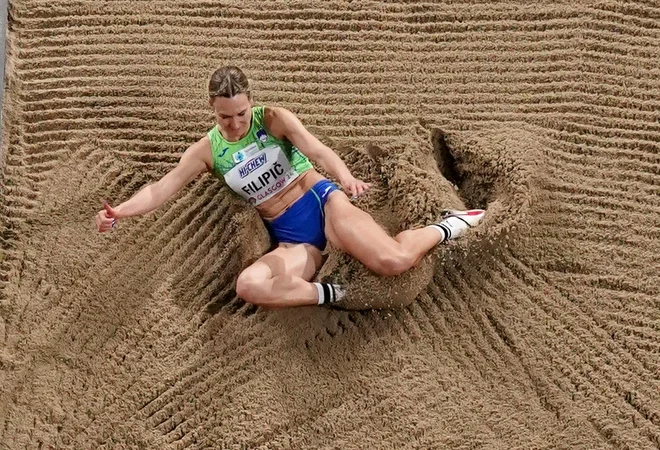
<point>353,230</point>
<point>299,260</point>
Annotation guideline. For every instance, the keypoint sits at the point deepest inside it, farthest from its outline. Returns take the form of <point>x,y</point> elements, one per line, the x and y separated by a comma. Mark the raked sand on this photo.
<point>539,329</point>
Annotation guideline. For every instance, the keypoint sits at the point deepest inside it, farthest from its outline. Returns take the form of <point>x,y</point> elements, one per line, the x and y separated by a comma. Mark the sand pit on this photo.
<point>539,330</point>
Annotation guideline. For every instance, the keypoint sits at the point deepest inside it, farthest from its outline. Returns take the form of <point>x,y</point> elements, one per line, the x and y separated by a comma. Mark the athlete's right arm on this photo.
<point>194,161</point>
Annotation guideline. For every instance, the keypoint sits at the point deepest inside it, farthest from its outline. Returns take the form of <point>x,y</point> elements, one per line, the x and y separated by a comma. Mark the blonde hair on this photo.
<point>229,81</point>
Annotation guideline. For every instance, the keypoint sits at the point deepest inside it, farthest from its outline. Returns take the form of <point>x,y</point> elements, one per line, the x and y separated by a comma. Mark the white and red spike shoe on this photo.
<point>455,223</point>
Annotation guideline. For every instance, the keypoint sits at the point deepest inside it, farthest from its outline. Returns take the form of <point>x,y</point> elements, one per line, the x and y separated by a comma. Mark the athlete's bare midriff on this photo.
<point>274,207</point>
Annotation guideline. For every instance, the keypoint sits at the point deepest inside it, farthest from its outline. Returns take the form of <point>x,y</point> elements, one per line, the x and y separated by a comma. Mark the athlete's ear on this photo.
<point>211,101</point>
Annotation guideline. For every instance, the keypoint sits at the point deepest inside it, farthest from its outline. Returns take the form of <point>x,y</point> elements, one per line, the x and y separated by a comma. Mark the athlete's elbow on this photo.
<point>323,156</point>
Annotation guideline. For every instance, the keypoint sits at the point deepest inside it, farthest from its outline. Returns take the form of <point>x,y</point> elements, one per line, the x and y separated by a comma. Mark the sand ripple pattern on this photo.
<point>541,330</point>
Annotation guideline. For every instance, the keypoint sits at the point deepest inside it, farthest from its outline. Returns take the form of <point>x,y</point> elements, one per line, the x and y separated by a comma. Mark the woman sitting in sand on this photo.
<point>263,154</point>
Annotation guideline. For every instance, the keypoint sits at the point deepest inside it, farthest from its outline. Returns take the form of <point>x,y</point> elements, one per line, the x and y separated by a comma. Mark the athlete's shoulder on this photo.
<point>201,150</point>
<point>275,120</point>
<point>204,142</point>
<point>273,112</point>
<point>276,111</point>
<point>279,121</point>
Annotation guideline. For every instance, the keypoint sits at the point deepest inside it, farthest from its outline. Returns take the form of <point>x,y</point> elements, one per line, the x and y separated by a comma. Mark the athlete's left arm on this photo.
<point>284,123</point>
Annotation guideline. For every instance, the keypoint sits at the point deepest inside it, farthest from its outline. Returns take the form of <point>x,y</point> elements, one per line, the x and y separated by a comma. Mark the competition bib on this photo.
<point>260,174</point>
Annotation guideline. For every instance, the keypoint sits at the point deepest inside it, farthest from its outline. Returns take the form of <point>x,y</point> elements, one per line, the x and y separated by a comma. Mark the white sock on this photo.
<point>442,228</point>
<point>329,293</point>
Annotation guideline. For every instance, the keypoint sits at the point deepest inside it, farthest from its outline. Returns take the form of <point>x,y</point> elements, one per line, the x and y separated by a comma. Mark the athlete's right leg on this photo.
<point>281,278</point>
<point>355,232</point>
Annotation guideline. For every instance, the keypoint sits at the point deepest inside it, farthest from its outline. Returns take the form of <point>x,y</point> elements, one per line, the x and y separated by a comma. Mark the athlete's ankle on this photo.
<point>444,231</point>
<point>329,293</point>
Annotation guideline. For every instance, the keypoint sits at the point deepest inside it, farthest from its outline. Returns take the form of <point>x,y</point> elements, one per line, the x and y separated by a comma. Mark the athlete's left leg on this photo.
<point>281,278</point>
<point>355,232</point>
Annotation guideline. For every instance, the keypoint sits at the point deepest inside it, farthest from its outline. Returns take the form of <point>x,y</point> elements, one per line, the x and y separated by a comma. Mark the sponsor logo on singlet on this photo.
<point>238,157</point>
<point>245,153</point>
<point>252,165</point>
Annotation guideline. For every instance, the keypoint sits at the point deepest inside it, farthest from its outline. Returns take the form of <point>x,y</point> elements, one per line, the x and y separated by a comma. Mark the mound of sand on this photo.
<point>409,192</point>
<point>495,169</point>
<point>500,169</point>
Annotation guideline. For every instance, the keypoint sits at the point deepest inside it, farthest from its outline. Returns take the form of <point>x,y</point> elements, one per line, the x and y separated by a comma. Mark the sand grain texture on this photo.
<point>540,330</point>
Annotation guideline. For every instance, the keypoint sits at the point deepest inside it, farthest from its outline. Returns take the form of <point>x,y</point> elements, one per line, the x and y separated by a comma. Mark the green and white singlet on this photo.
<point>259,165</point>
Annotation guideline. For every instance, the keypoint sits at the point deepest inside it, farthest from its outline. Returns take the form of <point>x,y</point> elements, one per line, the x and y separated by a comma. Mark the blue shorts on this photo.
<point>304,221</point>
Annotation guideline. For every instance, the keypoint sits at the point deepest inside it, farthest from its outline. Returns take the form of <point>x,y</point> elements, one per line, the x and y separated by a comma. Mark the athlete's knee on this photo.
<point>251,288</point>
<point>392,263</point>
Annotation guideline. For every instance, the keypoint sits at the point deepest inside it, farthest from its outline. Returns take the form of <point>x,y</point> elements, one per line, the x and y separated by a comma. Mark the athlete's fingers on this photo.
<point>104,217</point>
<point>107,227</point>
<point>103,221</point>
<point>99,220</point>
<point>364,187</point>
<point>108,209</point>
<point>103,225</point>
<point>111,222</point>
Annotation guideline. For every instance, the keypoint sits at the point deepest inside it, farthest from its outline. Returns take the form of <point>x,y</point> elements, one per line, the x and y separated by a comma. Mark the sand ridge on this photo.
<point>539,330</point>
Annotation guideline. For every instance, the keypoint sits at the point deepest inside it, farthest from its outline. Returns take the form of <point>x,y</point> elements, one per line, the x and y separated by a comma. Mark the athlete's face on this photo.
<point>233,115</point>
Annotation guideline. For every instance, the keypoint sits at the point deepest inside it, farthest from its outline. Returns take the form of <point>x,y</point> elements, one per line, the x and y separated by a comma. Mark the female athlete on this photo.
<point>263,154</point>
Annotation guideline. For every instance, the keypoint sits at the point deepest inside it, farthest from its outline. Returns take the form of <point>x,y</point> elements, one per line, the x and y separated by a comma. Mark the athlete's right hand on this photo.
<point>106,219</point>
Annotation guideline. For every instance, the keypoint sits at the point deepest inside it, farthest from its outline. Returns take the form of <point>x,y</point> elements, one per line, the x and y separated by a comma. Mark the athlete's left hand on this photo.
<point>355,187</point>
